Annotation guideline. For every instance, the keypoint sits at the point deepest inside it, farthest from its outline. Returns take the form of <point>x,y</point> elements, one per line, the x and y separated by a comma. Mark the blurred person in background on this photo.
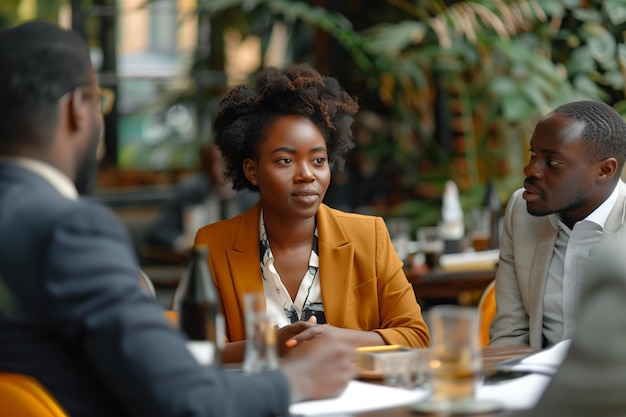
<point>200,199</point>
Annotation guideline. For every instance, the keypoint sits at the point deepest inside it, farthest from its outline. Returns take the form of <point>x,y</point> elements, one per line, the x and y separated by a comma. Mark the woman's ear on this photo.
<point>249,170</point>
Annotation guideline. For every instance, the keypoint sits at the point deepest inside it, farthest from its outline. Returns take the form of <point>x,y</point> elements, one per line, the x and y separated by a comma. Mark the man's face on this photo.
<point>561,176</point>
<point>88,163</point>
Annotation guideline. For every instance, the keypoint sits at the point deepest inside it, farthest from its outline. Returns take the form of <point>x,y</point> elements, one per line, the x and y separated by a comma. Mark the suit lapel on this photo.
<point>244,258</point>
<point>538,276</point>
<point>336,263</point>
<point>616,217</point>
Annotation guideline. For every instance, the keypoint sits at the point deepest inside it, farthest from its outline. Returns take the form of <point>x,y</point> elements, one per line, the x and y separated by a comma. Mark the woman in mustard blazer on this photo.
<point>323,271</point>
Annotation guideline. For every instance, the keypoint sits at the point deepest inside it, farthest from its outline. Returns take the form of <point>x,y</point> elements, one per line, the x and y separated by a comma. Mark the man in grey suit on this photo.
<point>572,195</point>
<point>74,315</point>
<point>591,381</point>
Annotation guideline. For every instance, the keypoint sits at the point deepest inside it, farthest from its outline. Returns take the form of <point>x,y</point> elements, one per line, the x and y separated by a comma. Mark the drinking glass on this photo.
<point>431,243</point>
<point>399,368</point>
<point>456,362</point>
<point>479,232</point>
<point>260,353</point>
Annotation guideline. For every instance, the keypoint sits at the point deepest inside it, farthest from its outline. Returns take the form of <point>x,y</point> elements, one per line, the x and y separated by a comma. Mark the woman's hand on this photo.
<point>297,333</point>
<point>291,331</point>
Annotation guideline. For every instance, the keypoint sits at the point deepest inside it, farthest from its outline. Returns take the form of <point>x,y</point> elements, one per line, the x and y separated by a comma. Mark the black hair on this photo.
<point>246,113</point>
<point>604,131</point>
<point>39,63</point>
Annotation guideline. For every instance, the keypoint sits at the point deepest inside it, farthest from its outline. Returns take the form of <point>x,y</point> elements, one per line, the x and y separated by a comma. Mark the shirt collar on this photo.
<point>266,255</point>
<point>599,215</point>
<point>52,175</point>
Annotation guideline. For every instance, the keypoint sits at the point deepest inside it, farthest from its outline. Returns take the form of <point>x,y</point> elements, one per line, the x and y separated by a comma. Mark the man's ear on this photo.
<point>607,169</point>
<point>76,109</point>
<point>249,170</point>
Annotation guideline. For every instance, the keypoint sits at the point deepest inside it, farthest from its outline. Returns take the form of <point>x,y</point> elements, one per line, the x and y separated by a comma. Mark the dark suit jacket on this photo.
<point>592,379</point>
<point>73,315</point>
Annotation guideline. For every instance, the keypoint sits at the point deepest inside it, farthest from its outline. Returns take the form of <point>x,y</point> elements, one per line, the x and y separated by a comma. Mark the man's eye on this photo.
<point>552,163</point>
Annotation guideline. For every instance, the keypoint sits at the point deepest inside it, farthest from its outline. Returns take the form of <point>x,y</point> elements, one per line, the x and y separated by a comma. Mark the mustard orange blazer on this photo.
<point>362,281</point>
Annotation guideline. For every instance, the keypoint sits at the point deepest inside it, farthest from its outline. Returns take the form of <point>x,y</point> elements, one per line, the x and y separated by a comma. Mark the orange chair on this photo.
<point>172,317</point>
<point>23,396</point>
<point>486,311</point>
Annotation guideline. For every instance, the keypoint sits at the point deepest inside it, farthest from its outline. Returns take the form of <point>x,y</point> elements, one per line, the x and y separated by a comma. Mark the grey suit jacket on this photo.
<point>526,247</point>
<point>73,315</point>
<point>592,379</point>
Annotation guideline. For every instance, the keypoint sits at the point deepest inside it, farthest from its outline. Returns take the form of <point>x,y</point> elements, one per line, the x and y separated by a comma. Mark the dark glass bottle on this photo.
<point>198,303</point>
<point>494,207</point>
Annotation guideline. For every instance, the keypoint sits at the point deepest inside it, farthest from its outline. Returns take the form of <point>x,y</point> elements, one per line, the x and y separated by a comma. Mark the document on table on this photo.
<point>515,394</point>
<point>357,397</point>
<point>545,362</point>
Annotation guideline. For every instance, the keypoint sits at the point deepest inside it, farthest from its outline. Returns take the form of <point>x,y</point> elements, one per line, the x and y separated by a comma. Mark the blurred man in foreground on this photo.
<point>76,317</point>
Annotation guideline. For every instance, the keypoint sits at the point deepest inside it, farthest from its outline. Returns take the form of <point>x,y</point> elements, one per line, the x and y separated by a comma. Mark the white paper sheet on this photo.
<point>515,394</point>
<point>546,361</point>
<point>552,356</point>
<point>359,396</point>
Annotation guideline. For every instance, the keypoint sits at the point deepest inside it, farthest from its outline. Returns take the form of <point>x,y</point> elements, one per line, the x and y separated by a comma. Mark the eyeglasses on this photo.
<point>106,98</point>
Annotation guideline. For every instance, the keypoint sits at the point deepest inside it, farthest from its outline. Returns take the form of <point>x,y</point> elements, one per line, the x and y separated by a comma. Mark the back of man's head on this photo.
<point>39,64</point>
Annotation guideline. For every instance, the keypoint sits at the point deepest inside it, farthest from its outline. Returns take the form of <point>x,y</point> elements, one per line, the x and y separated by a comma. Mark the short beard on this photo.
<point>87,175</point>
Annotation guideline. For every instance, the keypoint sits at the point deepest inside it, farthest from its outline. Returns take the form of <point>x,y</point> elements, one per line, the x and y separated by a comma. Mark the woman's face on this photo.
<point>291,168</point>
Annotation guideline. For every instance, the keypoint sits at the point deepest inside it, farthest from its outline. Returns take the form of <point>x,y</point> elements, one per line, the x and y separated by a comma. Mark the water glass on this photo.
<point>260,353</point>
<point>399,368</point>
<point>457,362</point>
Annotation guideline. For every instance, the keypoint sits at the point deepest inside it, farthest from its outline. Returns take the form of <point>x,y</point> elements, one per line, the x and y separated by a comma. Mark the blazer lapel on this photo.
<point>244,258</point>
<point>616,217</point>
<point>336,263</point>
<point>538,275</point>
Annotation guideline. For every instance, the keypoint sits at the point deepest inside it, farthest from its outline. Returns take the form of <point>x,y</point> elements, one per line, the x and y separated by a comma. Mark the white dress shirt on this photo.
<point>568,265</point>
<point>56,178</point>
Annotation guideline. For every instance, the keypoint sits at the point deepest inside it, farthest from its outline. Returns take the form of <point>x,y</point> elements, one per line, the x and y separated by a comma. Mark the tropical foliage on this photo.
<point>479,72</point>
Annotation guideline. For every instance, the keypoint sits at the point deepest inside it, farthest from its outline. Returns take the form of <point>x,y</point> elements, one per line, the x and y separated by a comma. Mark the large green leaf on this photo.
<point>580,61</point>
<point>515,108</point>
<point>601,45</point>
<point>503,86</point>
<point>392,38</point>
<point>587,14</point>
<point>587,86</point>
<point>615,11</point>
<point>614,79</point>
